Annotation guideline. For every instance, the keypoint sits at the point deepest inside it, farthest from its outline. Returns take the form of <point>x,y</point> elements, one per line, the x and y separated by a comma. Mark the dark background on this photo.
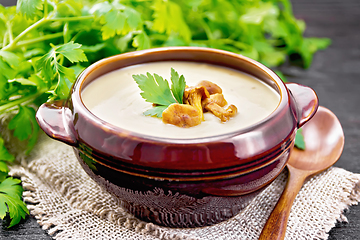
<point>334,75</point>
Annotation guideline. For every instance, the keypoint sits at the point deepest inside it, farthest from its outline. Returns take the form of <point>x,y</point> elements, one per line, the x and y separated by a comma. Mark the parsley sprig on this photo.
<point>11,201</point>
<point>45,44</point>
<point>155,89</point>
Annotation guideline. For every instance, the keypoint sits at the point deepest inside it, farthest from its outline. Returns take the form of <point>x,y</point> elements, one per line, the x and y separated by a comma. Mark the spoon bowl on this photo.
<point>324,139</point>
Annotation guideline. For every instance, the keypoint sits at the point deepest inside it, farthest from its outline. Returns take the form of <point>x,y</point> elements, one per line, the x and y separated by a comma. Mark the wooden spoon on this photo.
<point>324,138</point>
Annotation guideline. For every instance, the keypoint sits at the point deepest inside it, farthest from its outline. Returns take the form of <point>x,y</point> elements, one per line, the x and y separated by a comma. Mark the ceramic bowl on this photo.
<point>181,182</point>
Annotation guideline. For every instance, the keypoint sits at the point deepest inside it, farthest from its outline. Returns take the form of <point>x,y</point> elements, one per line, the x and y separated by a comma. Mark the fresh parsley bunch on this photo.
<point>45,44</point>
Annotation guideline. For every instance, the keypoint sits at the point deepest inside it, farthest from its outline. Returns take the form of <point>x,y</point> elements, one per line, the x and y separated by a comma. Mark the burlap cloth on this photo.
<point>70,205</point>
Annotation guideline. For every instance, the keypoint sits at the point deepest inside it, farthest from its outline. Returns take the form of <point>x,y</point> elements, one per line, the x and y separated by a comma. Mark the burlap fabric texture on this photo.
<point>70,205</point>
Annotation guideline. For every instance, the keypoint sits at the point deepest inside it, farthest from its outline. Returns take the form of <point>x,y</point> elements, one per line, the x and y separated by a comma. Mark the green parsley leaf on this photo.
<point>257,14</point>
<point>155,111</point>
<point>66,78</point>
<point>116,19</point>
<point>52,68</point>
<point>155,89</point>
<point>141,41</point>
<point>3,86</point>
<point>44,64</point>
<point>11,201</point>
<point>37,80</point>
<point>23,81</point>
<point>114,23</point>
<point>11,187</point>
<point>72,51</point>
<point>4,154</point>
<point>123,42</point>
<point>29,7</point>
<point>168,18</point>
<point>309,46</point>
<point>6,70</point>
<point>20,124</point>
<point>93,48</point>
<point>133,19</point>
<point>178,85</point>
<point>3,167</point>
<point>69,8</point>
<point>101,8</point>
<point>25,126</point>
<point>299,140</point>
<point>269,55</point>
<point>11,58</point>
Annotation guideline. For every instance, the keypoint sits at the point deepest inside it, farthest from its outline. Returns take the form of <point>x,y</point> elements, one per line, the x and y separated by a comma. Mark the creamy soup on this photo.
<point>115,98</point>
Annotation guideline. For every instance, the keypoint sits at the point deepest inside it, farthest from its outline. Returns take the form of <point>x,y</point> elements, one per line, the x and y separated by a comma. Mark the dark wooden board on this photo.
<point>335,76</point>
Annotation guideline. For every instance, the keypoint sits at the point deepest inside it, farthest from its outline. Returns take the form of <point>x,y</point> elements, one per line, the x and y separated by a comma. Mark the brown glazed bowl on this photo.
<point>177,182</point>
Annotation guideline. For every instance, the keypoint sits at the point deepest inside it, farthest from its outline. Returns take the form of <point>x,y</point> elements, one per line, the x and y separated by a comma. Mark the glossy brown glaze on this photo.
<point>235,164</point>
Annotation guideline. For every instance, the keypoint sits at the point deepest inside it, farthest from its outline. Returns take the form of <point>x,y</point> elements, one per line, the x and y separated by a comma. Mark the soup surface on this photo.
<point>115,98</point>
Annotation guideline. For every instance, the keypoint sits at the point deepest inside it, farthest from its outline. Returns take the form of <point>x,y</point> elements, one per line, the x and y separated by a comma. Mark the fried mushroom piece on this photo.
<point>206,96</point>
<point>217,98</point>
<point>223,114</point>
<point>210,86</point>
<point>194,96</point>
<point>182,115</point>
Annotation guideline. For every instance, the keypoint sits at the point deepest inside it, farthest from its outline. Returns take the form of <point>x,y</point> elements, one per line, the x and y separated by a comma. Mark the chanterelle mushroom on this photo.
<point>194,95</point>
<point>220,112</point>
<point>217,98</point>
<point>182,115</point>
<point>206,96</point>
<point>210,86</point>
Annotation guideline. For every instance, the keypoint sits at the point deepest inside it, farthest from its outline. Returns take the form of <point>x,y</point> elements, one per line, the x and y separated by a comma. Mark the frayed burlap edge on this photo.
<point>29,174</point>
<point>57,229</point>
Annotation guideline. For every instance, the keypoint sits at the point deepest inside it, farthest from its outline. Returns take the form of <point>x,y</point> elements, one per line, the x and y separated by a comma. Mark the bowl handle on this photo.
<point>54,119</point>
<point>306,102</point>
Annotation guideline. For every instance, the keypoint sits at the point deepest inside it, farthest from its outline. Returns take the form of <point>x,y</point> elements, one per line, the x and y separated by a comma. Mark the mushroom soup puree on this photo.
<point>115,98</point>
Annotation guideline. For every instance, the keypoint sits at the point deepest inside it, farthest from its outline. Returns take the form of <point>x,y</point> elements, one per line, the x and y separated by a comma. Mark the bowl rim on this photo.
<point>78,86</point>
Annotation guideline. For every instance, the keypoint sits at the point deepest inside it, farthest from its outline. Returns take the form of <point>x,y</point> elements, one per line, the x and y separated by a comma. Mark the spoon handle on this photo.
<point>275,227</point>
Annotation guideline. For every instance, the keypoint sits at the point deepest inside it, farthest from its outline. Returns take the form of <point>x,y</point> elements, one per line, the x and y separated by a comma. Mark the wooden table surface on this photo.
<point>334,75</point>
